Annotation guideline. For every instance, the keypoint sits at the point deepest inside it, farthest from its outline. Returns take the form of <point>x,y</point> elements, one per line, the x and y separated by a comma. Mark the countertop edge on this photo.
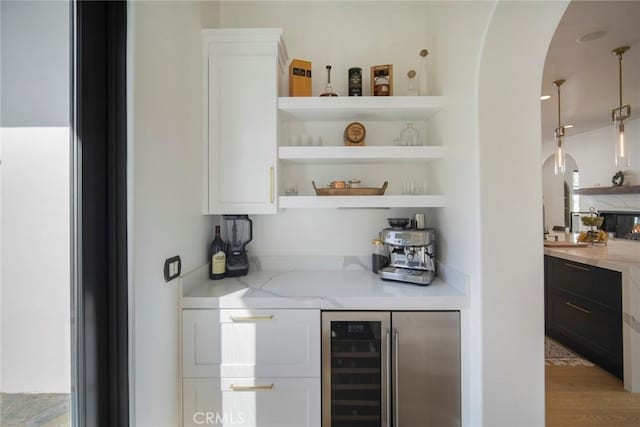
<point>397,303</point>
<point>606,264</point>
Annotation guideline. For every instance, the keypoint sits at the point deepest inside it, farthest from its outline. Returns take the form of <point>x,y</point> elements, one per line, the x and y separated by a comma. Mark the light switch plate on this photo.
<point>172,268</point>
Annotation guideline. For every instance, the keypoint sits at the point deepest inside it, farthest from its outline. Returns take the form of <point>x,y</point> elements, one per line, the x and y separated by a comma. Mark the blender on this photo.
<point>238,232</point>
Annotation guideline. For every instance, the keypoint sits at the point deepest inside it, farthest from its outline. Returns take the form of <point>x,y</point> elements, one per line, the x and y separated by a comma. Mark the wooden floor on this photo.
<point>588,397</point>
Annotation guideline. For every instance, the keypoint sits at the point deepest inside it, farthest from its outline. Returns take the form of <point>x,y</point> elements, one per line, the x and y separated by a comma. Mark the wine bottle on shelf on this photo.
<point>217,257</point>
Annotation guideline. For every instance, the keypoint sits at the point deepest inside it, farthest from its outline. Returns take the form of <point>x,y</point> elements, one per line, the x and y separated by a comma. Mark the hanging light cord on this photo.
<point>620,76</point>
<point>557,84</point>
<point>559,121</point>
<point>619,51</point>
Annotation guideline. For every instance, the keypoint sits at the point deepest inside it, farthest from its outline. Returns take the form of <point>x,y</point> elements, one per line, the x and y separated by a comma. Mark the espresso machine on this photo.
<point>411,255</point>
<point>238,232</point>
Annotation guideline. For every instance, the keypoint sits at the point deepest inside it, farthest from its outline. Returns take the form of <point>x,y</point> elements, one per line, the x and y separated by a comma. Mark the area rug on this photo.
<point>556,354</point>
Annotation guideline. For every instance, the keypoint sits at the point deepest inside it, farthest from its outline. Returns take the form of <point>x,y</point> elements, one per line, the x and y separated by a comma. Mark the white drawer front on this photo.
<point>276,402</point>
<point>251,343</point>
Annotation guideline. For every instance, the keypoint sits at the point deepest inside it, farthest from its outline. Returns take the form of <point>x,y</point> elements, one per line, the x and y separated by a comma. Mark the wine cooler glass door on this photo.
<point>356,354</point>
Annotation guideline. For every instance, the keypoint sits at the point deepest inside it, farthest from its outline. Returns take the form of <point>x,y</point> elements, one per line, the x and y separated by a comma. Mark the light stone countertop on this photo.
<point>330,284</point>
<point>617,255</point>
<point>623,256</point>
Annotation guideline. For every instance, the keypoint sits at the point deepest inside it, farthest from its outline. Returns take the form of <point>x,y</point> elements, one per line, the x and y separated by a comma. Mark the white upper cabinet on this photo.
<point>243,72</point>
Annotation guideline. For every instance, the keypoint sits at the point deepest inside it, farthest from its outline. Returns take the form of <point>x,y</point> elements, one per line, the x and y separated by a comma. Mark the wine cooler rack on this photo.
<point>356,365</point>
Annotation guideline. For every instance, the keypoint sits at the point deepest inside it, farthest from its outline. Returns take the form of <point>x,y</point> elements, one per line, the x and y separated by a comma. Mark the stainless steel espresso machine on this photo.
<point>411,255</point>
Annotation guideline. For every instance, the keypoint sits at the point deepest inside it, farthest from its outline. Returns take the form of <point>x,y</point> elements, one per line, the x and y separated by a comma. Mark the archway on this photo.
<point>511,256</point>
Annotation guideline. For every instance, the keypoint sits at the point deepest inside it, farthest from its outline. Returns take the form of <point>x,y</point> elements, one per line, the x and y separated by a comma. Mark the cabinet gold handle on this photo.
<point>579,267</point>
<point>271,184</point>
<point>577,307</point>
<point>251,318</point>
<point>250,387</point>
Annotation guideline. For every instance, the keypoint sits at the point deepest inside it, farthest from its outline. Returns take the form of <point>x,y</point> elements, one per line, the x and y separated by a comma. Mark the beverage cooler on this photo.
<point>390,369</point>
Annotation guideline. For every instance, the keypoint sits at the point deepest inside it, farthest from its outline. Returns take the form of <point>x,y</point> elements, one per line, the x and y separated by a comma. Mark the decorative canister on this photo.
<point>381,86</point>
<point>355,81</point>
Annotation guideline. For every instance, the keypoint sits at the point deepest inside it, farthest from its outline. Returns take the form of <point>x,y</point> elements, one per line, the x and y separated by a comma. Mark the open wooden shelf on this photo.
<point>376,108</point>
<point>390,201</point>
<point>625,189</point>
<point>366,154</point>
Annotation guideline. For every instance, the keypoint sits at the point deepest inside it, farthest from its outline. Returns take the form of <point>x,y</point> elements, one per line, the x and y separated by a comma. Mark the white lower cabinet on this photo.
<point>264,402</point>
<point>251,368</point>
<point>250,343</point>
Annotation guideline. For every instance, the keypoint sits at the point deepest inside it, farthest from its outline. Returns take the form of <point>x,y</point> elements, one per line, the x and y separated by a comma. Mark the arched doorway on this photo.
<point>511,256</point>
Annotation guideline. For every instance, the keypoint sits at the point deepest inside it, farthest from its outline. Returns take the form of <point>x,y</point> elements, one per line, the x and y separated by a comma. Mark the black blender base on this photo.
<point>237,265</point>
<point>236,273</point>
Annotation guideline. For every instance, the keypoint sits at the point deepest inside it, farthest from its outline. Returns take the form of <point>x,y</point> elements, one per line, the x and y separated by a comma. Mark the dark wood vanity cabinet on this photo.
<point>583,310</point>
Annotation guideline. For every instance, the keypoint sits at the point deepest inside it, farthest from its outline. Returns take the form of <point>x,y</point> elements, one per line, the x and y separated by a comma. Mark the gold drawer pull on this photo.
<point>251,318</point>
<point>577,307</point>
<point>579,267</point>
<point>250,387</point>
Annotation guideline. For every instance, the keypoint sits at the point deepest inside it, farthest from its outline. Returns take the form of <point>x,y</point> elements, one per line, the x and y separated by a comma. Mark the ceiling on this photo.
<point>590,70</point>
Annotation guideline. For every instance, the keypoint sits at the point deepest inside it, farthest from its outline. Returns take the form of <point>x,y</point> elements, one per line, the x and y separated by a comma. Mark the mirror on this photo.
<point>557,195</point>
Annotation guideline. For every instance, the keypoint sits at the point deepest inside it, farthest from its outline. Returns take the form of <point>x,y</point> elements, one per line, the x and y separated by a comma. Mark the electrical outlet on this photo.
<point>172,268</point>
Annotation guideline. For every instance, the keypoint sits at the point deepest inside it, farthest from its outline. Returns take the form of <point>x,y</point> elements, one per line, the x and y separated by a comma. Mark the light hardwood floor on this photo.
<point>580,396</point>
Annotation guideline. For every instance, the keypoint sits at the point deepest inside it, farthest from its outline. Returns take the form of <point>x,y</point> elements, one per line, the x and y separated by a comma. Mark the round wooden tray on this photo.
<point>360,191</point>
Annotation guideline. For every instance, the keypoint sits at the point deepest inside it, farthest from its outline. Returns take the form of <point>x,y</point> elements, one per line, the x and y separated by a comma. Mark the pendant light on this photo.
<point>559,160</point>
<point>619,115</point>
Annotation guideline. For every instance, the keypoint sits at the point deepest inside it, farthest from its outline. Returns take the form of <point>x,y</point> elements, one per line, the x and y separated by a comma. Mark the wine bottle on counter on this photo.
<point>217,257</point>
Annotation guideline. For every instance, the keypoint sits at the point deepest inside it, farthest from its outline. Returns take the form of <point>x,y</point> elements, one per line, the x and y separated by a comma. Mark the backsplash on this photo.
<point>610,202</point>
<point>199,276</point>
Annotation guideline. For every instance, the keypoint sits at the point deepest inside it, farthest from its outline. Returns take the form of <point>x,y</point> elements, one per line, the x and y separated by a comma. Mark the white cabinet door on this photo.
<point>251,343</point>
<point>241,80</point>
<point>259,402</point>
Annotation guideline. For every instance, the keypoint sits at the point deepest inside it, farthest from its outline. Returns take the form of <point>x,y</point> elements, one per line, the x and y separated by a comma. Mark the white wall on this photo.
<point>165,220</point>
<point>34,191</point>
<point>593,152</point>
<point>511,248</point>
<point>460,27</point>
<point>343,34</point>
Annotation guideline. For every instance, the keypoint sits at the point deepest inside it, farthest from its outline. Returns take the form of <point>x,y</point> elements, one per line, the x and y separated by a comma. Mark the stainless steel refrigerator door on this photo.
<point>426,365</point>
<point>385,361</point>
